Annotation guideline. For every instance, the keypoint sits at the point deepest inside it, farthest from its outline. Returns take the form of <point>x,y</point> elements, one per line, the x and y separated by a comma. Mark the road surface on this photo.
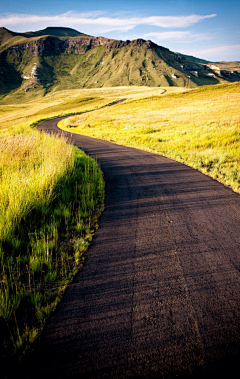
<point>159,294</point>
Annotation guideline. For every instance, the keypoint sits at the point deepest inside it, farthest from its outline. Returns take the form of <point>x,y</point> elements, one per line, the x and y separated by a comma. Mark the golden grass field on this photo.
<point>42,176</point>
<point>14,114</point>
<point>199,127</point>
<point>50,191</point>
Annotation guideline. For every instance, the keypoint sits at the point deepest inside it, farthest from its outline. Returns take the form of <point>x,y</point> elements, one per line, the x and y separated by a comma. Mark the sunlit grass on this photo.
<point>15,114</point>
<point>50,198</point>
<point>51,195</point>
<point>199,127</point>
<point>31,164</point>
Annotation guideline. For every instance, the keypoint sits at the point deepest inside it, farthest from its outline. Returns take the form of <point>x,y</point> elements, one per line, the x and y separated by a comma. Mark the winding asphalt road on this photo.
<point>159,294</point>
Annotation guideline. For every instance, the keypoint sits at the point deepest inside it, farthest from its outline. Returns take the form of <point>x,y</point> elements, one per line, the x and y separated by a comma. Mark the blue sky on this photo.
<point>208,29</point>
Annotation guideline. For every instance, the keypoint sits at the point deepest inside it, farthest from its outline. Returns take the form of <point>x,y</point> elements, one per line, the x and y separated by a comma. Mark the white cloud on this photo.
<point>177,36</point>
<point>176,21</point>
<point>217,53</point>
<point>96,22</point>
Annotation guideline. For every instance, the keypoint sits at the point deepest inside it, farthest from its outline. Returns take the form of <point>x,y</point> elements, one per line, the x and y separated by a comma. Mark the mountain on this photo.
<point>191,58</point>
<point>53,31</point>
<point>9,38</point>
<point>61,58</point>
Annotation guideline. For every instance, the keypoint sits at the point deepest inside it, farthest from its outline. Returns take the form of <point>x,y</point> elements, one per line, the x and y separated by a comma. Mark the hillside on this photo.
<point>9,38</point>
<point>63,58</point>
<point>54,31</point>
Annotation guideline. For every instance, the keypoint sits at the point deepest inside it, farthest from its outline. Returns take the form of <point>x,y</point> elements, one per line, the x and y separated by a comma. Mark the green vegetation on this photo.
<point>9,38</point>
<point>200,127</point>
<point>17,113</point>
<point>66,59</point>
<point>51,196</point>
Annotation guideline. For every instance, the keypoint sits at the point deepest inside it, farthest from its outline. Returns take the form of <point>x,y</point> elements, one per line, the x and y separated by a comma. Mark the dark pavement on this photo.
<point>159,294</point>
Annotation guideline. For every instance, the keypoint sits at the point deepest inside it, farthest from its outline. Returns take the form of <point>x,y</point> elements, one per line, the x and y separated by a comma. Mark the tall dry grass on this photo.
<point>51,195</point>
<point>30,166</point>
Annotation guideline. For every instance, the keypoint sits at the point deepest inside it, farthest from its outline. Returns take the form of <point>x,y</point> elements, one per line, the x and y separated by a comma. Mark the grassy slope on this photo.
<point>98,67</point>
<point>9,38</point>
<point>16,114</point>
<point>94,68</point>
<point>200,127</point>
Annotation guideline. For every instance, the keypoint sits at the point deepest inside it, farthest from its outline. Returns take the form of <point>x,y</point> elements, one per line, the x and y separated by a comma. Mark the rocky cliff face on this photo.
<point>48,46</point>
<point>53,46</point>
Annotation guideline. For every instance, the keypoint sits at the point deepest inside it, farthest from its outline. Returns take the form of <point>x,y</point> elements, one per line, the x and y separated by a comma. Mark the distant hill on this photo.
<point>191,58</point>
<point>61,58</point>
<point>231,66</point>
<point>6,35</point>
<point>54,31</point>
<point>9,38</point>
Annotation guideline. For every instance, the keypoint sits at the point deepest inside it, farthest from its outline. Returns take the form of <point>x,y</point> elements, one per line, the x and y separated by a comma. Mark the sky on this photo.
<point>208,29</point>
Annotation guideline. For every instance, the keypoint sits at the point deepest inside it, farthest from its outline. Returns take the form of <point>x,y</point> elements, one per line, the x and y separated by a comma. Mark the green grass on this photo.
<point>200,127</point>
<point>106,65</point>
<point>51,196</point>
<point>19,112</point>
<point>111,64</point>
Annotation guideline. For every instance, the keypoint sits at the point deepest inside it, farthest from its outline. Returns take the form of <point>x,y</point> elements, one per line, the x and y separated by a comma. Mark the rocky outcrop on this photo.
<point>34,72</point>
<point>47,46</point>
<point>53,46</point>
<point>81,45</point>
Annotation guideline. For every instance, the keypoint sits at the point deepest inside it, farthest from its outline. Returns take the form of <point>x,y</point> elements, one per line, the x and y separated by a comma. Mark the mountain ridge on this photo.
<point>57,57</point>
<point>55,31</point>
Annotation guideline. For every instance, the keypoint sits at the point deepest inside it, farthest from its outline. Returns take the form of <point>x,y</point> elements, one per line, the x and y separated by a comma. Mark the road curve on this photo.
<point>159,294</point>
